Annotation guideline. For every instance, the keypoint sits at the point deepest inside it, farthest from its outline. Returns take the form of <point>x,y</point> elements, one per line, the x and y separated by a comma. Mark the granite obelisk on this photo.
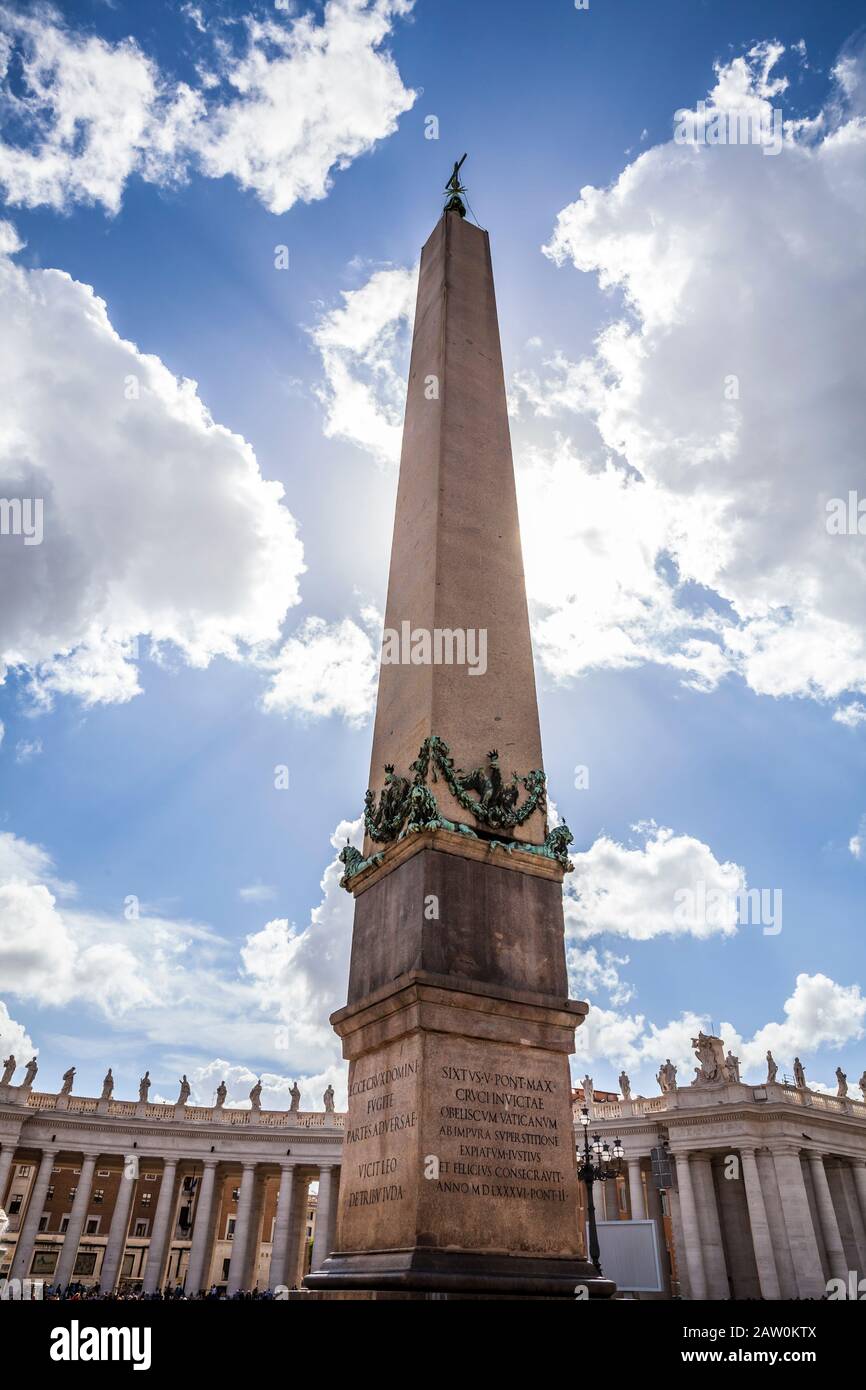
<point>459,1173</point>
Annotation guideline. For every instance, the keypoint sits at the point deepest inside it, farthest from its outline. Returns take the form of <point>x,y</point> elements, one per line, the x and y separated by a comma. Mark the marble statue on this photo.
<point>30,1073</point>
<point>144,1087</point>
<point>625,1086</point>
<point>799,1074</point>
<point>296,1096</point>
<point>862,1084</point>
<point>841,1083</point>
<point>772,1067</point>
<point>221,1093</point>
<point>107,1086</point>
<point>68,1078</point>
<point>588,1091</point>
<point>732,1066</point>
<point>9,1065</point>
<point>185,1089</point>
<point>329,1100</point>
<point>710,1052</point>
<point>667,1077</point>
<point>256,1095</point>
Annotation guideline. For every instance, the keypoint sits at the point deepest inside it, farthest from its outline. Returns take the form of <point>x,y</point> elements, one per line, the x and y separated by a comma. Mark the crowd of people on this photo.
<point>89,1293</point>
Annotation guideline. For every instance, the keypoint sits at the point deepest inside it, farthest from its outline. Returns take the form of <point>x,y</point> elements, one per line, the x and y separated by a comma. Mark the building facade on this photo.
<point>125,1194</point>
<point>759,1190</point>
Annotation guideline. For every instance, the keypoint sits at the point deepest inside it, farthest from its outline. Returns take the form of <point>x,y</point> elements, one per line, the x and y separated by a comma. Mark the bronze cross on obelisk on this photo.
<point>455,188</point>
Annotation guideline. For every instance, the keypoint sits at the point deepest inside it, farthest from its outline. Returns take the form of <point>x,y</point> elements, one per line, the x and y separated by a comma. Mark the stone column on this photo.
<point>323,1219</point>
<point>802,1242</point>
<point>694,1259</point>
<point>30,1227</point>
<point>282,1227</point>
<point>297,1228</point>
<point>7,1154</point>
<point>237,1264</point>
<point>760,1226</point>
<point>827,1217</point>
<point>336,1176</point>
<point>858,1168</point>
<point>251,1264</point>
<point>202,1231</point>
<point>117,1234</point>
<point>708,1223</point>
<point>776,1220</point>
<point>635,1190</point>
<point>66,1264</point>
<point>164,1212</point>
<point>847,1215</point>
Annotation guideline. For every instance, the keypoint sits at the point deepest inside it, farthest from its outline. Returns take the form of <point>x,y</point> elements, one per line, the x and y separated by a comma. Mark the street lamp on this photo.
<point>598,1163</point>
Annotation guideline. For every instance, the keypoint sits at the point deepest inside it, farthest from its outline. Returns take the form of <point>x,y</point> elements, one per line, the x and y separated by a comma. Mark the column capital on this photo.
<point>326,1167</point>
<point>249,1164</point>
<point>211,1161</point>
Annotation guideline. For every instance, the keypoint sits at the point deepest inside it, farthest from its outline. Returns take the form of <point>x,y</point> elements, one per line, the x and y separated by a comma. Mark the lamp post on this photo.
<point>598,1163</point>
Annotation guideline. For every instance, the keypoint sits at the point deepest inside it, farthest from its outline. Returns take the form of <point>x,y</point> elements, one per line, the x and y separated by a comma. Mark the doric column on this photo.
<point>691,1231</point>
<point>117,1234</point>
<point>29,1229</point>
<point>202,1231</point>
<point>709,1226</point>
<point>323,1219</point>
<point>282,1226</point>
<point>858,1168</point>
<point>827,1216</point>
<point>761,1240</point>
<point>251,1265</point>
<point>802,1241</point>
<point>776,1220</point>
<point>297,1229</point>
<point>164,1211</point>
<point>237,1264</point>
<point>66,1264</point>
<point>7,1154</point>
<point>635,1190</point>
<point>336,1175</point>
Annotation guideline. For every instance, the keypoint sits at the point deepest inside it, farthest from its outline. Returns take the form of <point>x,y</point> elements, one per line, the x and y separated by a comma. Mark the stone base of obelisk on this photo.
<point>459,1172</point>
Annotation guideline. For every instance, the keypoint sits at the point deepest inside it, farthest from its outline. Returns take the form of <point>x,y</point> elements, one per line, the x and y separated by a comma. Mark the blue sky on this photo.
<point>696,629</point>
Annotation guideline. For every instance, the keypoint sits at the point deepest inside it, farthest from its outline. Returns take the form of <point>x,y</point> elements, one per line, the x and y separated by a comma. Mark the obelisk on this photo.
<point>459,1174</point>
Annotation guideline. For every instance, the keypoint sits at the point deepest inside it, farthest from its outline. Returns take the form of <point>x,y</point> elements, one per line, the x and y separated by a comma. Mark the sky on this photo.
<point>209,233</point>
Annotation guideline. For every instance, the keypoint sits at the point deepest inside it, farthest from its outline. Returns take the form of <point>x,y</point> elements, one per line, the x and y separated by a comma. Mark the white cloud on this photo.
<point>301,973</point>
<point>276,1088</point>
<point>819,1014</point>
<point>93,113</point>
<point>364,344</point>
<point>14,1040</point>
<point>720,256</point>
<point>308,98</point>
<point>588,973</point>
<point>850,715</point>
<point>324,669</point>
<point>284,103</point>
<point>157,520</point>
<point>27,749</point>
<point>857,842</point>
<point>257,893</point>
<point>635,892</point>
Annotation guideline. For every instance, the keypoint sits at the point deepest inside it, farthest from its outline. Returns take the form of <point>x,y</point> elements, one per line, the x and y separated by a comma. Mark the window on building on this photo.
<point>226,1268</point>
<point>49,1193</point>
<point>24,1170</point>
<point>64,1225</point>
<point>141,1227</point>
<point>85,1262</point>
<point>72,1192</point>
<point>151,1177</point>
<point>15,1203</point>
<point>127,1267</point>
<point>236,1192</point>
<point>146,1198</point>
<point>190,1184</point>
<point>99,1194</point>
<point>230,1228</point>
<point>43,1223</point>
<point>92,1226</point>
<point>103,1173</point>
